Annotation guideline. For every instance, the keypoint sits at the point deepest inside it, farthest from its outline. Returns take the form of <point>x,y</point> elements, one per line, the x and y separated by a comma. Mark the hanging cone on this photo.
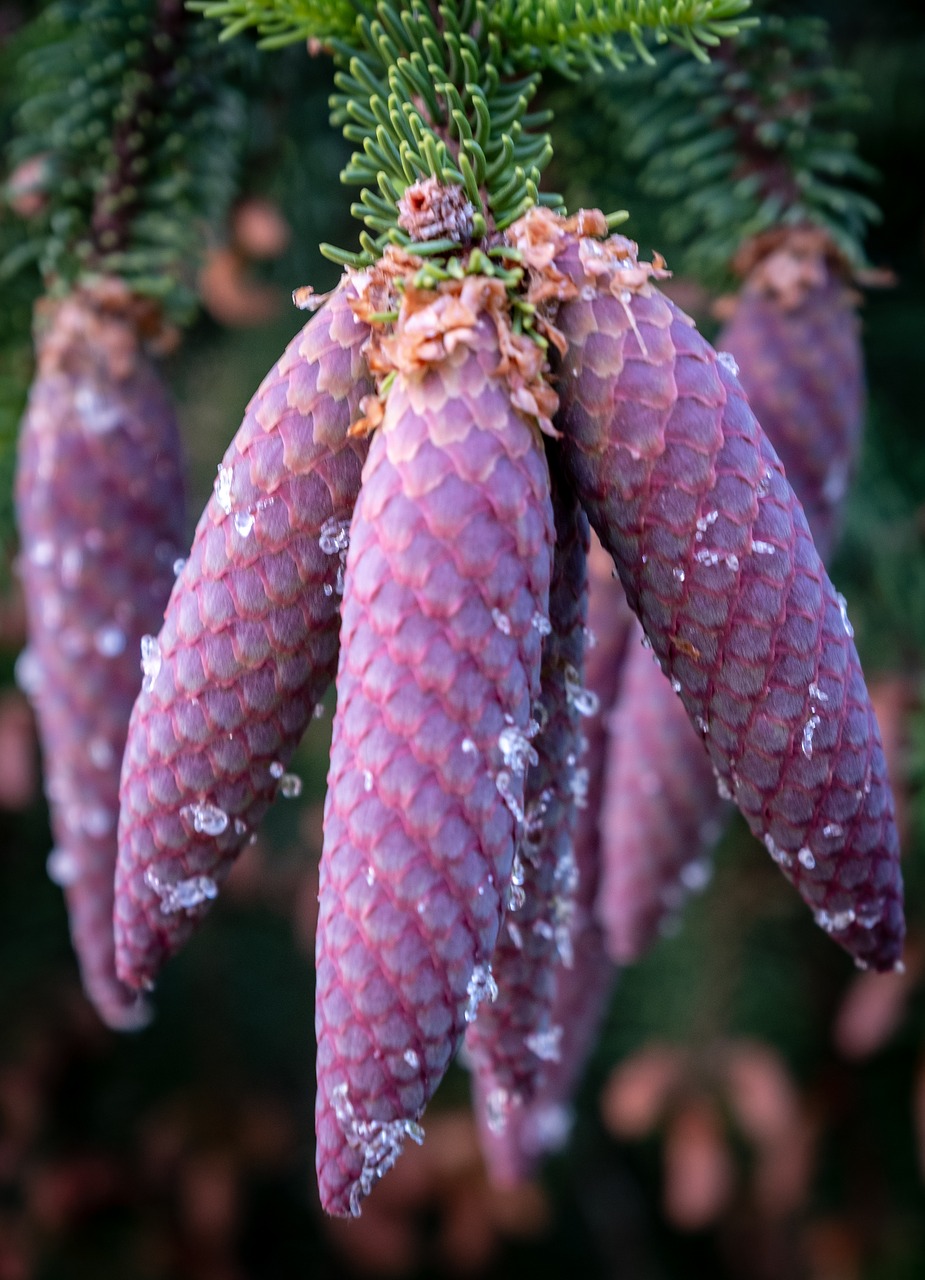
<point>248,645</point>
<point>795,335</point>
<point>661,814</point>
<point>516,1037</point>
<point>583,989</point>
<point>99,497</point>
<point>447,585</point>
<point>716,557</point>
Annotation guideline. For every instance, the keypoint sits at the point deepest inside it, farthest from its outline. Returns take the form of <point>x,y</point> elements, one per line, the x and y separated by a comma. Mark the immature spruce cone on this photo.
<point>795,335</point>
<point>583,989</point>
<point>99,495</point>
<point>248,645</point>
<point>661,814</point>
<point>447,577</point>
<point>715,554</point>
<point>515,1037</point>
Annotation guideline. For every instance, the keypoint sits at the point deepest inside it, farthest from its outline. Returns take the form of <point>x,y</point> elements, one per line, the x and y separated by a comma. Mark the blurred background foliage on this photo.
<point>755,1108</point>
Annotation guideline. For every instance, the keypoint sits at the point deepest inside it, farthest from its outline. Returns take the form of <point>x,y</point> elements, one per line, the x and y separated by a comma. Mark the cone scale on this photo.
<point>447,571</point>
<point>248,644</point>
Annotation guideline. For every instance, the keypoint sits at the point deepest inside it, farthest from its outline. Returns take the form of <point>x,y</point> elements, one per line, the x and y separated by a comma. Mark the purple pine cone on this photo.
<point>447,572</point>
<point>248,645</point>
<point>582,990</point>
<point>716,557</point>
<point>661,814</point>
<point>516,1037</point>
<point>796,337</point>
<point>99,496</point>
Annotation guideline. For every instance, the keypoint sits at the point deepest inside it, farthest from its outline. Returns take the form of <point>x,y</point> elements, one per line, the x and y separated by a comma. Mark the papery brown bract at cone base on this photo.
<point>744,616</point>
<point>447,571</point>
<point>583,989</point>
<point>515,1037</point>
<point>795,335</point>
<point>661,814</point>
<point>248,645</point>
<point>100,504</point>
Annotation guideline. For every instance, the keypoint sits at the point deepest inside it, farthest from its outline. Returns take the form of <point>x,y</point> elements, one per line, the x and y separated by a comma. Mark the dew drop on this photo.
<point>62,867</point>
<point>806,858</point>
<point>808,730</point>
<point>208,819</point>
<point>185,895</point>
<point>379,1143</point>
<point>468,747</point>
<point>515,934</point>
<point>178,566</point>
<point>27,672</point>
<point>370,875</point>
<point>834,921</point>
<point>679,574</point>
<point>727,360</point>
<point>695,876</point>
<point>833,830</point>
<point>582,700</point>
<point>277,769</point>
<point>367,780</point>
<point>412,1059</point>
<point>497,1106</point>
<point>223,482</point>
<point>843,606</point>
<point>109,641</point>
<point>506,790</point>
<point>244,522</point>
<point>546,1044</point>
<point>818,694</point>
<point>541,623</point>
<point>763,548</point>
<point>501,621</point>
<point>101,752</point>
<point>481,986</point>
<point>334,536</point>
<point>150,661</point>
<point>290,786</point>
<point>516,751</point>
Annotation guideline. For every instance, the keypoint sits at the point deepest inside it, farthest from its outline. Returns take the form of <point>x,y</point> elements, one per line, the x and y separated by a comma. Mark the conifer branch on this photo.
<point>134,112</point>
<point>753,140</point>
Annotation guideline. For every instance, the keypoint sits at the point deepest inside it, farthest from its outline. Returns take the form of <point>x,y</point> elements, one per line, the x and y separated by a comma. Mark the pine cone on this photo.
<point>661,814</point>
<point>248,645</point>
<point>447,583</point>
<point>515,1037</point>
<point>99,496</point>
<point>716,557</point>
<point>796,337</point>
<point>583,989</point>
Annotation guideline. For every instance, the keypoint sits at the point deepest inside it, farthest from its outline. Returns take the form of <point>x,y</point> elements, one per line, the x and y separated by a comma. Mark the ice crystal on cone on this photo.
<point>249,640</point>
<point>652,446</point>
<point>99,496</point>
<point>453,521</point>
